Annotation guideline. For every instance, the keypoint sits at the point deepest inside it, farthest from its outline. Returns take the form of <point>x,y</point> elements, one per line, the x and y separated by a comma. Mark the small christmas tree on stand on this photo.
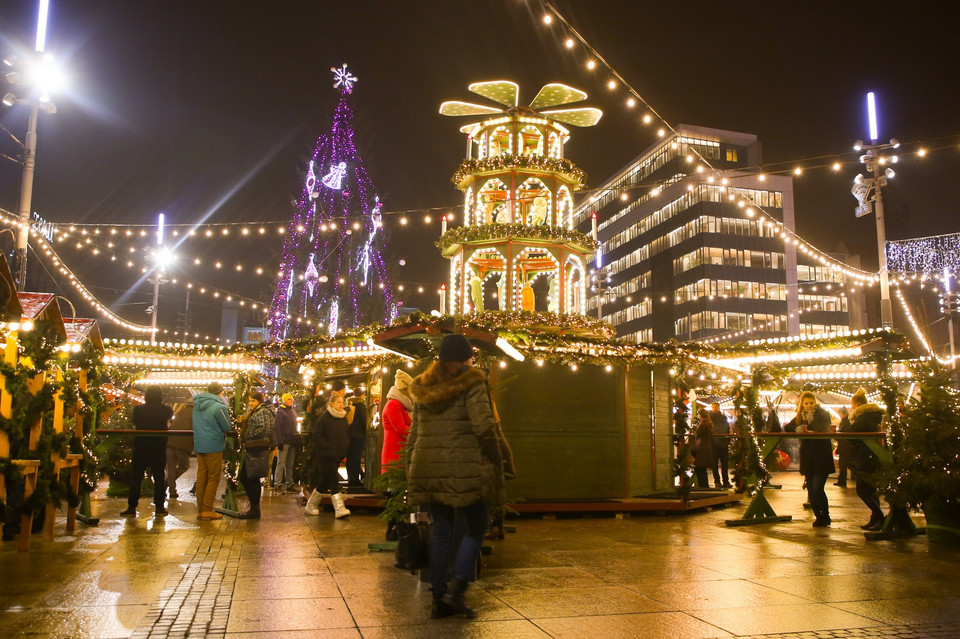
<point>749,472</point>
<point>925,470</point>
<point>683,464</point>
<point>332,272</point>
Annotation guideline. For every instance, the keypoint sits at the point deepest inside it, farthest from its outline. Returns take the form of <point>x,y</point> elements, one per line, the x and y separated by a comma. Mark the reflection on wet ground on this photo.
<point>682,576</point>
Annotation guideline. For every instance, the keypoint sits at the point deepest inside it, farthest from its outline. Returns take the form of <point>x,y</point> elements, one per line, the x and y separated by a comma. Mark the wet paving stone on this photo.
<point>294,576</point>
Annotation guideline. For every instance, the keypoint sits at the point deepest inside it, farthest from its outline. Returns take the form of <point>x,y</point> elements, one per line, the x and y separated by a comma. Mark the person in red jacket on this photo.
<point>396,419</point>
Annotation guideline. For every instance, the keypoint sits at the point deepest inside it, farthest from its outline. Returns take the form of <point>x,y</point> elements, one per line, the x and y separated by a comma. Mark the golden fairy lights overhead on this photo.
<point>917,330</point>
<point>218,363</point>
<point>48,251</point>
<point>596,62</point>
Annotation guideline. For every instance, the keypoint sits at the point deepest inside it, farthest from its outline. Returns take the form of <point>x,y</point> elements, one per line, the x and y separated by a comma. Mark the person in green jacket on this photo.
<point>455,465</point>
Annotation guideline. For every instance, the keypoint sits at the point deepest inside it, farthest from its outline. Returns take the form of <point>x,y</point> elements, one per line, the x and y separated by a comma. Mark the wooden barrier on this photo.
<point>759,511</point>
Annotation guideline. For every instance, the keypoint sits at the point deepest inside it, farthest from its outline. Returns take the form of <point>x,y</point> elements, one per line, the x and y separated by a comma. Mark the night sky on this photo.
<point>207,110</point>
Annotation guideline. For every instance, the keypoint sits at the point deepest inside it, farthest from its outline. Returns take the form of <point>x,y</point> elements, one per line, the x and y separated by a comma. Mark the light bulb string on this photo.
<point>49,252</point>
<point>821,254</point>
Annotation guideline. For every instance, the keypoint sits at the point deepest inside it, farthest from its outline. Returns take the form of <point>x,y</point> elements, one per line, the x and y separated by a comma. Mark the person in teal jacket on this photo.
<point>211,423</point>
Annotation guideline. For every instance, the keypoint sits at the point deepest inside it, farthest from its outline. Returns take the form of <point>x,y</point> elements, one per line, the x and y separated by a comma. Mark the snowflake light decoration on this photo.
<point>343,79</point>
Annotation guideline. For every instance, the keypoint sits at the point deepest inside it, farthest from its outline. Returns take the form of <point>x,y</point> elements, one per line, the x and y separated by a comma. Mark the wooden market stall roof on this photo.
<point>43,307</point>
<point>82,329</point>
<point>421,340</point>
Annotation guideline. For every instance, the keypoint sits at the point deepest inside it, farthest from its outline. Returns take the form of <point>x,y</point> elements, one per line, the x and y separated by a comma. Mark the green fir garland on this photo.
<point>561,167</point>
<point>481,232</point>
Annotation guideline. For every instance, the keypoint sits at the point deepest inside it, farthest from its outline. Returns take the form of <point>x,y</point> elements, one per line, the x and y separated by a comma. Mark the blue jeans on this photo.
<point>818,496</point>
<point>475,516</point>
<point>284,473</point>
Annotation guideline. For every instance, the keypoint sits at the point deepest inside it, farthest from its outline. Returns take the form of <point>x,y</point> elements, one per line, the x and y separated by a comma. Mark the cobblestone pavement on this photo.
<point>688,576</point>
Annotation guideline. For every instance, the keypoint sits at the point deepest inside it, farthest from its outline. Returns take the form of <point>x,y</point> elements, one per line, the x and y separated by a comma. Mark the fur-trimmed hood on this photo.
<point>445,391</point>
<point>863,409</point>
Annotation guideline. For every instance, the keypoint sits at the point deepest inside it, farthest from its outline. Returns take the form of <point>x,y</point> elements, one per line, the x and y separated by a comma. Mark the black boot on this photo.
<point>454,598</point>
<point>253,513</point>
<point>875,523</point>
<point>441,609</point>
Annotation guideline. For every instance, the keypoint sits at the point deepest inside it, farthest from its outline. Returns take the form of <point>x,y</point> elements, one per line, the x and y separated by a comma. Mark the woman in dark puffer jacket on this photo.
<point>454,464</point>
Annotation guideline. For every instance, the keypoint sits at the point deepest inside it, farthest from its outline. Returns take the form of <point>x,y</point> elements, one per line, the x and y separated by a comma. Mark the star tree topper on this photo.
<point>343,79</point>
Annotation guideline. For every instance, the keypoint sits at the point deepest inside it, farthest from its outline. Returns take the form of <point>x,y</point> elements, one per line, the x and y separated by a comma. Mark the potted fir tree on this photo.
<point>925,473</point>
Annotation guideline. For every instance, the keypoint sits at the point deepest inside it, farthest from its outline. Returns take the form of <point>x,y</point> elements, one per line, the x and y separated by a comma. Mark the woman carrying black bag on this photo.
<point>257,438</point>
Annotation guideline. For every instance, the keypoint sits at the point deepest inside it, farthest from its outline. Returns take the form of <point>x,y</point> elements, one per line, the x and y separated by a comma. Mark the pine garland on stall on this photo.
<point>683,463</point>
<point>749,472</point>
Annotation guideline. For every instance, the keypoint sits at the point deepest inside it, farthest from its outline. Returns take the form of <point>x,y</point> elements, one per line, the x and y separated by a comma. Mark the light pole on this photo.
<point>948,305</point>
<point>868,192</point>
<point>42,75</point>
<point>161,258</point>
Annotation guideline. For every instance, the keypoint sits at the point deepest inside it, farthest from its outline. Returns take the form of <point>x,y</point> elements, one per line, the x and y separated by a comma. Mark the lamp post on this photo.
<point>868,192</point>
<point>26,195</point>
<point>948,305</point>
<point>161,258</point>
<point>42,75</point>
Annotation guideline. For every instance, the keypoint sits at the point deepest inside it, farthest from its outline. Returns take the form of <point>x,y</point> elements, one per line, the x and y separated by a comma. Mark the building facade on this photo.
<point>691,253</point>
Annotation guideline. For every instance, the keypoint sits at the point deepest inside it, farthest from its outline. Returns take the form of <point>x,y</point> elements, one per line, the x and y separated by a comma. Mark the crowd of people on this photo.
<point>440,427</point>
<point>816,455</point>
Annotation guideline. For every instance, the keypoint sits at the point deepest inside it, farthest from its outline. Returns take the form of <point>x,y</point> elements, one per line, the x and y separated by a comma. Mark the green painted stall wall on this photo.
<point>566,429</point>
<point>649,442</point>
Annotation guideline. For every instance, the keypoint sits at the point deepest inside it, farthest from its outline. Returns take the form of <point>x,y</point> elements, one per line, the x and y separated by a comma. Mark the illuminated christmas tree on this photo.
<point>332,273</point>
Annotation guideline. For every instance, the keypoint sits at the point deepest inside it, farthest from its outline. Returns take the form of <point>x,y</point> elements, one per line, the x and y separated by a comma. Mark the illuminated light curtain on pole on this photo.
<point>927,256</point>
<point>332,273</point>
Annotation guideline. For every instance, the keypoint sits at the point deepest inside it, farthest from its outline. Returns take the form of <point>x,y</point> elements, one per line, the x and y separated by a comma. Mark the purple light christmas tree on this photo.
<point>332,273</point>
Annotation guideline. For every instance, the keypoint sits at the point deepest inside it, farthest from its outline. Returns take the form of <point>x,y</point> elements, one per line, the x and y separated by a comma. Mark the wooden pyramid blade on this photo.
<point>555,94</point>
<point>455,107</point>
<point>500,91</point>
<point>586,116</point>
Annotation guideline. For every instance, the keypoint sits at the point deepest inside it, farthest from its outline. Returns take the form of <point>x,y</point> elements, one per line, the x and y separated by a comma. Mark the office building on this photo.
<point>694,253</point>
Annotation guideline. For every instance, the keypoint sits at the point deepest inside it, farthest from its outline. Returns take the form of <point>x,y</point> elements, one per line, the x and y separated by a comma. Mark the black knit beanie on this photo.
<point>455,348</point>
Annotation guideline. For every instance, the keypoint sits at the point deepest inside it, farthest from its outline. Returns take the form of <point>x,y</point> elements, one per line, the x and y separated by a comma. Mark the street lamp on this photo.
<point>37,77</point>
<point>162,258</point>
<point>868,192</point>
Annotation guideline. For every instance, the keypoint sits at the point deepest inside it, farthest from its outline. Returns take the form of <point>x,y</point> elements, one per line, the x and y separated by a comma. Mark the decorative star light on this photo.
<point>343,79</point>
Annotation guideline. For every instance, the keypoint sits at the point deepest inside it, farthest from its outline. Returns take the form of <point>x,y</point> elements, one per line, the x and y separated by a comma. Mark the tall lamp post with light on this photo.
<point>37,76</point>
<point>161,258</point>
<point>868,192</point>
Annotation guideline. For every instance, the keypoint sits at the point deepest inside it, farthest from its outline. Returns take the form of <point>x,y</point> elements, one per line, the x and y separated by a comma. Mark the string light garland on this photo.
<point>925,256</point>
<point>917,330</point>
<point>787,235</point>
<point>475,233</point>
<point>48,251</point>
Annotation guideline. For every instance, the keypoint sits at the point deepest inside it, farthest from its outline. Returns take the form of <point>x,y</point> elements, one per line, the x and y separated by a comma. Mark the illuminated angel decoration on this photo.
<point>343,79</point>
<point>334,178</point>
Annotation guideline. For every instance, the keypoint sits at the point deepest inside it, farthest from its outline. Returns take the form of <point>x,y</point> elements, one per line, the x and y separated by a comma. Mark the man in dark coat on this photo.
<point>285,429</point>
<point>864,417</point>
<point>358,436</point>
<point>149,452</point>
<point>721,447</point>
